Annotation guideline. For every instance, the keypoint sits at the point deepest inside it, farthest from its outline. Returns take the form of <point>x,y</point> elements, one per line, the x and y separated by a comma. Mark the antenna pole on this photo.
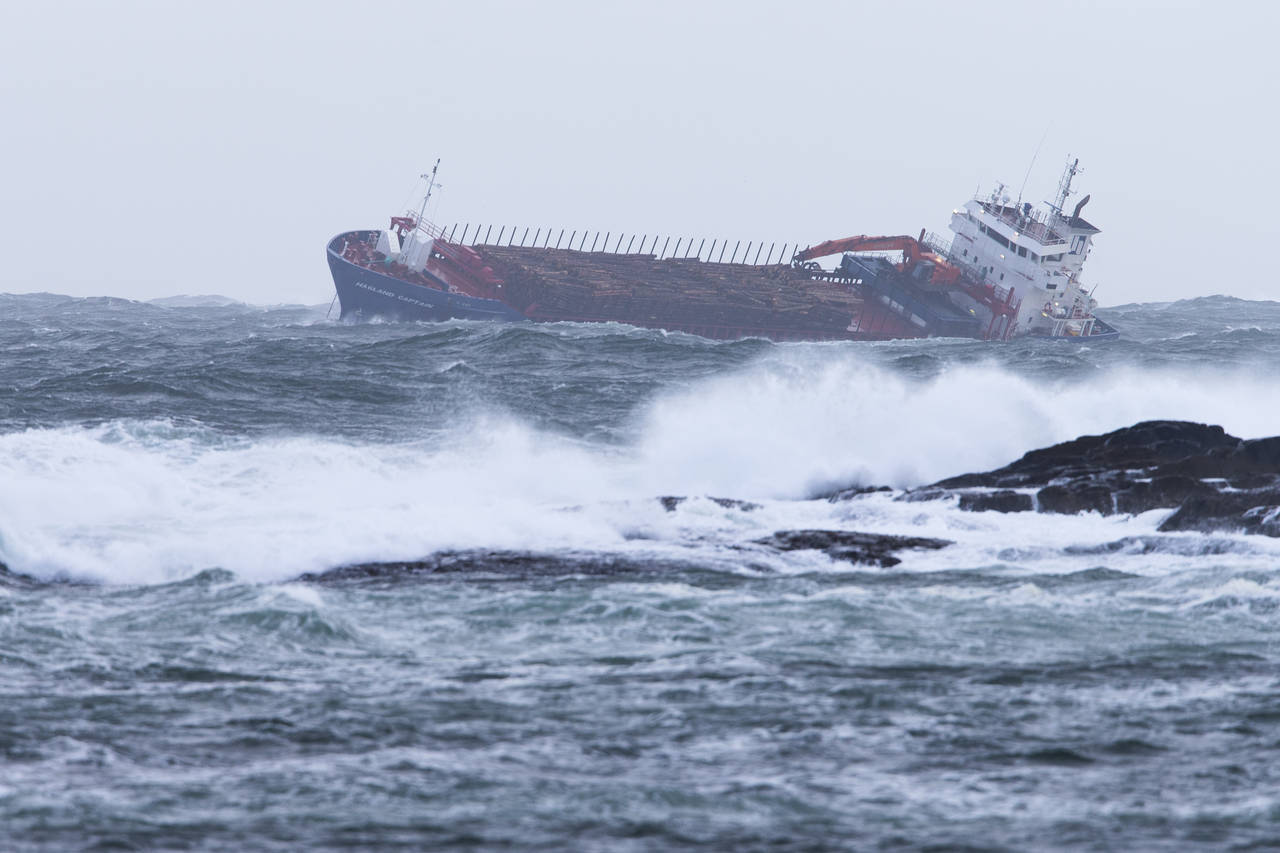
<point>1033,163</point>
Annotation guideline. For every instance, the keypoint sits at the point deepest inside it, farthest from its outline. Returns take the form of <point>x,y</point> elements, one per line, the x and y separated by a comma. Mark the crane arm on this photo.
<point>913,253</point>
<point>909,246</point>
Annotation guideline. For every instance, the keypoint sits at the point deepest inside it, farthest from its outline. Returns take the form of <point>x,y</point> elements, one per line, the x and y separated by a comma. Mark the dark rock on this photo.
<point>873,548</point>
<point>733,503</point>
<point>670,502</point>
<point>1246,482</point>
<point>929,493</point>
<point>1073,498</point>
<point>1004,500</point>
<point>1246,459</point>
<point>503,565</point>
<point>17,580</point>
<point>1142,446</point>
<point>1213,480</point>
<point>850,493</point>
<point>1256,511</point>
<point>1159,492</point>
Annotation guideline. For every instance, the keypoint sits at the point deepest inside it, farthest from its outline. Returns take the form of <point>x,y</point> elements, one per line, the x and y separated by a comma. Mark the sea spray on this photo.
<point>566,655</point>
<point>153,500</point>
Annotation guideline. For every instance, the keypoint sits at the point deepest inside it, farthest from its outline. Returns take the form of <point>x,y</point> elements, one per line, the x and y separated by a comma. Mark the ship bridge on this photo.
<point>1036,253</point>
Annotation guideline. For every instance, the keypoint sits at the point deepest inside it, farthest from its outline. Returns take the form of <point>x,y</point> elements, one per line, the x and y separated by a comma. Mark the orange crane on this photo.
<point>913,254</point>
<point>916,260</point>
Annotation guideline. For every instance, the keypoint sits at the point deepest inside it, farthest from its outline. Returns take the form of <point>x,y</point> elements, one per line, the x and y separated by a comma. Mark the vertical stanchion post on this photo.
<point>676,250</point>
<point>735,251</point>
<point>713,249</point>
<point>758,250</point>
<point>723,246</point>
<point>617,245</point>
<point>500,230</point>
<point>561,237</point>
<point>770,255</point>
<point>629,242</point>
<point>698,254</point>
<point>664,246</point>
<point>536,235</point>
<point>487,233</point>
<point>597,237</point>
<point>522,236</point>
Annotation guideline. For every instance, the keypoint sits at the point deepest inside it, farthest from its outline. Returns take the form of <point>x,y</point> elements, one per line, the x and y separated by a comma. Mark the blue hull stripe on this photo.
<point>364,292</point>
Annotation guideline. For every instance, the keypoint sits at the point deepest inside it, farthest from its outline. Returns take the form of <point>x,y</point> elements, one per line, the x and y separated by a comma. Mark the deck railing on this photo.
<point>707,250</point>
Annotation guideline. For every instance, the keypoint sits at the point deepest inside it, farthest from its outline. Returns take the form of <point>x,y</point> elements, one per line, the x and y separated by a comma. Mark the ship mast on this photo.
<point>1064,185</point>
<point>431,185</point>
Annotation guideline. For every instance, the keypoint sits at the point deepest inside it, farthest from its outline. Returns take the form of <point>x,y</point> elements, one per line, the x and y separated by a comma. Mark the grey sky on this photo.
<point>152,149</point>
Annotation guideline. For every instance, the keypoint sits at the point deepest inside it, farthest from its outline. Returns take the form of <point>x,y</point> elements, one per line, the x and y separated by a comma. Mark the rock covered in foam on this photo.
<point>1214,481</point>
<point>855,547</point>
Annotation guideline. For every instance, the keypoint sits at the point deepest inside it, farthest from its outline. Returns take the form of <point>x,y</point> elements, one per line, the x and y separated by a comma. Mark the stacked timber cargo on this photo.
<point>722,300</point>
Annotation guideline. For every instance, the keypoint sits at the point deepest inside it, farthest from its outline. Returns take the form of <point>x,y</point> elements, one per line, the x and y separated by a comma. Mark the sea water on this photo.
<point>546,655</point>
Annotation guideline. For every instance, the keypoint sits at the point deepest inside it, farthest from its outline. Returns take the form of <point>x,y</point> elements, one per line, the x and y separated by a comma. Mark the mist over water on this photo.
<point>573,660</point>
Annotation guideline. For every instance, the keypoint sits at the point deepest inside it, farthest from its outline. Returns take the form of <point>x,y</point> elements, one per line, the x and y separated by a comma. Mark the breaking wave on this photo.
<point>150,500</point>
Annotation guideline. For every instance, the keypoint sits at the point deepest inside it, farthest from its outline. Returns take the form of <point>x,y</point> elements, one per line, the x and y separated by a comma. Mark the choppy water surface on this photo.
<point>569,664</point>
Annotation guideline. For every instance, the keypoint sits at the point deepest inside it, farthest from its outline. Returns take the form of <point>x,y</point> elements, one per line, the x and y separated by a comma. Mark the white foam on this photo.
<point>813,418</point>
<point>133,509</point>
<point>149,502</point>
<point>308,595</point>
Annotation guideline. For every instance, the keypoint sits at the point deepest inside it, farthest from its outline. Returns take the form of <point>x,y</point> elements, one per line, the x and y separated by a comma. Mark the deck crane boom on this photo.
<point>913,254</point>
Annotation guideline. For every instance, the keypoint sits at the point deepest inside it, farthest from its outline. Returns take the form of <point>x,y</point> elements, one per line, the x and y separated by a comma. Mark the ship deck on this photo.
<point>677,292</point>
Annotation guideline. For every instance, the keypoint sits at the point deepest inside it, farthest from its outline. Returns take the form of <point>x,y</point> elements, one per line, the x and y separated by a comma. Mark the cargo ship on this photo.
<point>1009,270</point>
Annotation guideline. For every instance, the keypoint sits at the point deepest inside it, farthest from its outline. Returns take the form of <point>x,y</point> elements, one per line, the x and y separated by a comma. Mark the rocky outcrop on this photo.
<point>846,494</point>
<point>1003,500</point>
<point>1213,480</point>
<point>872,548</point>
<point>671,502</point>
<point>17,580</point>
<point>498,565</point>
<point>1210,480</point>
<point>1253,511</point>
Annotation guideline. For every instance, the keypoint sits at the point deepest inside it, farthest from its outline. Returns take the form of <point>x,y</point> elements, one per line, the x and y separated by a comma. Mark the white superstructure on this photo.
<point>1035,253</point>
